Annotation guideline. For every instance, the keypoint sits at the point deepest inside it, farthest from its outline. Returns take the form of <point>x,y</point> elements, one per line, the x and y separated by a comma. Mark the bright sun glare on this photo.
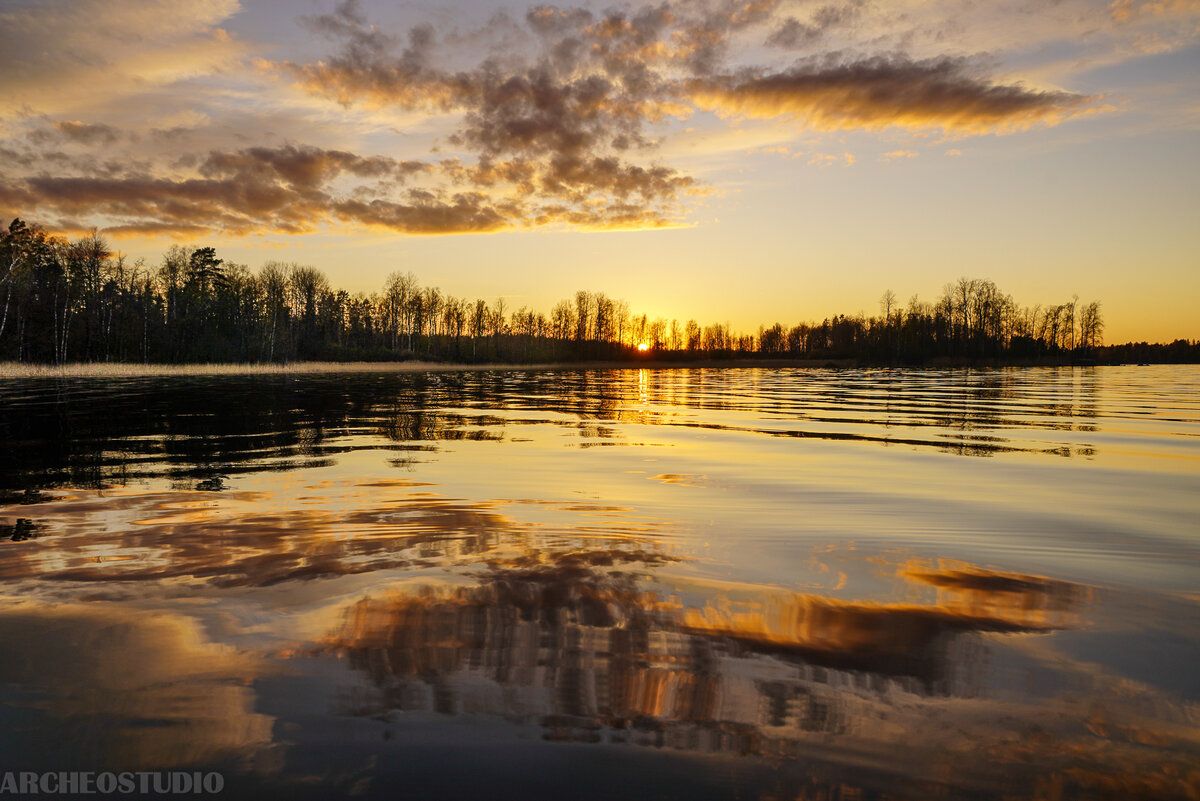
<point>643,346</point>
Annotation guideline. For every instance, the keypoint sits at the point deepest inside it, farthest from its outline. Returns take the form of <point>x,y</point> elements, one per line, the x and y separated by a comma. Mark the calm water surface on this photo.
<point>742,583</point>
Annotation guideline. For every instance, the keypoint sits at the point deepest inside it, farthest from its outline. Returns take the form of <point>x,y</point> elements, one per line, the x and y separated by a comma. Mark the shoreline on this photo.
<point>11,370</point>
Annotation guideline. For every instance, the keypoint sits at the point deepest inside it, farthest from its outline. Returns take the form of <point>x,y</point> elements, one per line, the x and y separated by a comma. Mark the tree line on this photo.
<point>79,301</point>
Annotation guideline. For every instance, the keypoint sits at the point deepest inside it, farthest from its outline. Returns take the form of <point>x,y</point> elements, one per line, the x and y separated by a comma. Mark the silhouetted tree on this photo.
<point>66,300</point>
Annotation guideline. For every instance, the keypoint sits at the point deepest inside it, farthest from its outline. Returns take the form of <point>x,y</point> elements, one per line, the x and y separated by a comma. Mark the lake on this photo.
<point>648,583</point>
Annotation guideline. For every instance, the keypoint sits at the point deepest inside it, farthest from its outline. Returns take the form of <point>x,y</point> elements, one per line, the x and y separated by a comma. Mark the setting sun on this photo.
<point>642,346</point>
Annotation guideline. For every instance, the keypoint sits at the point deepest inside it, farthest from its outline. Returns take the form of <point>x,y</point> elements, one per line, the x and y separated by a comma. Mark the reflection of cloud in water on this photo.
<point>1038,600</point>
<point>590,655</point>
<point>137,690</point>
<point>330,528</point>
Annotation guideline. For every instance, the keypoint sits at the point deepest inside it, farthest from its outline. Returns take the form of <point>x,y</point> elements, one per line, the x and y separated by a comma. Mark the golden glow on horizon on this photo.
<point>642,346</point>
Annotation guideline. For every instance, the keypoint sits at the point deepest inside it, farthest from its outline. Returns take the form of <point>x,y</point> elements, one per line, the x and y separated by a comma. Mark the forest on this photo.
<point>79,301</point>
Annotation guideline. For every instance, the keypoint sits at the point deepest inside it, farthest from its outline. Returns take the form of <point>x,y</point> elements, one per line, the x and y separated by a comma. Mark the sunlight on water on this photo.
<point>879,583</point>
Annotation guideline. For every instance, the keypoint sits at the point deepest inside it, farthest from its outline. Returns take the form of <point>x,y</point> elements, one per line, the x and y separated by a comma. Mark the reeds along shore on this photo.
<point>1160,354</point>
<point>64,302</point>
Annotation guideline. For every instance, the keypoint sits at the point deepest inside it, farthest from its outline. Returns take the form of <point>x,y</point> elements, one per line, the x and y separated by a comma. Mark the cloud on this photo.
<point>77,132</point>
<point>366,68</point>
<point>258,190</point>
<point>562,130</point>
<point>595,87</point>
<point>57,56</point>
<point>228,205</point>
<point>567,123</point>
<point>793,34</point>
<point>304,167</point>
<point>881,92</point>
<point>1127,10</point>
<point>467,212</point>
<point>829,159</point>
<point>293,189</point>
<point>898,154</point>
<point>703,39</point>
<point>602,81</point>
<point>551,136</point>
<point>175,230</point>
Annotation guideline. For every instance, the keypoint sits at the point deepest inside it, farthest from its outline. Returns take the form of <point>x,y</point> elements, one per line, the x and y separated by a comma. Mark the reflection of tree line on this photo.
<point>80,301</point>
<point>198,432</point>
<point>425,425</point>
<point>201,431</point>
<point>840,699</point>
<point>23,529</point>
<point>593,657</point>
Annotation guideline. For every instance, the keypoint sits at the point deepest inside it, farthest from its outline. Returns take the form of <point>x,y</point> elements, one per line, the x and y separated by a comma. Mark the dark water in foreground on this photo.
<point>686,584</point>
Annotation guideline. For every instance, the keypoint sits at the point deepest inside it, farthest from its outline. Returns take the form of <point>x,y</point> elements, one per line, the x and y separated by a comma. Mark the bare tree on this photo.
<point>562,320</point>
<point>583,315</point>
<point>1091,326</point>
<point>479,319</point>
<point>887,302</point>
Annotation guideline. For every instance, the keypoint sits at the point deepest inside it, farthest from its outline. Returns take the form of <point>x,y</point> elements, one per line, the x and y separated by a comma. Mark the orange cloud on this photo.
<point>829,159</point>
<point>1126,10</point>
<point>879,93</point>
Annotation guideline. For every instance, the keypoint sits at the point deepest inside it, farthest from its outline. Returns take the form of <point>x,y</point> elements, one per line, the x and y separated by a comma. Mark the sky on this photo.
<point>734,161</point>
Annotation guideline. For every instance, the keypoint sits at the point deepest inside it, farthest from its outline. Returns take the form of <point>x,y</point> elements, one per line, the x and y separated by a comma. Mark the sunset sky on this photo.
<point>732,161</point>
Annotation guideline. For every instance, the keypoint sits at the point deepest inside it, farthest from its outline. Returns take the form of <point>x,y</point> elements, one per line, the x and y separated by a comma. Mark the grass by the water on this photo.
<point>122,370</point>
<point>118,370</point>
